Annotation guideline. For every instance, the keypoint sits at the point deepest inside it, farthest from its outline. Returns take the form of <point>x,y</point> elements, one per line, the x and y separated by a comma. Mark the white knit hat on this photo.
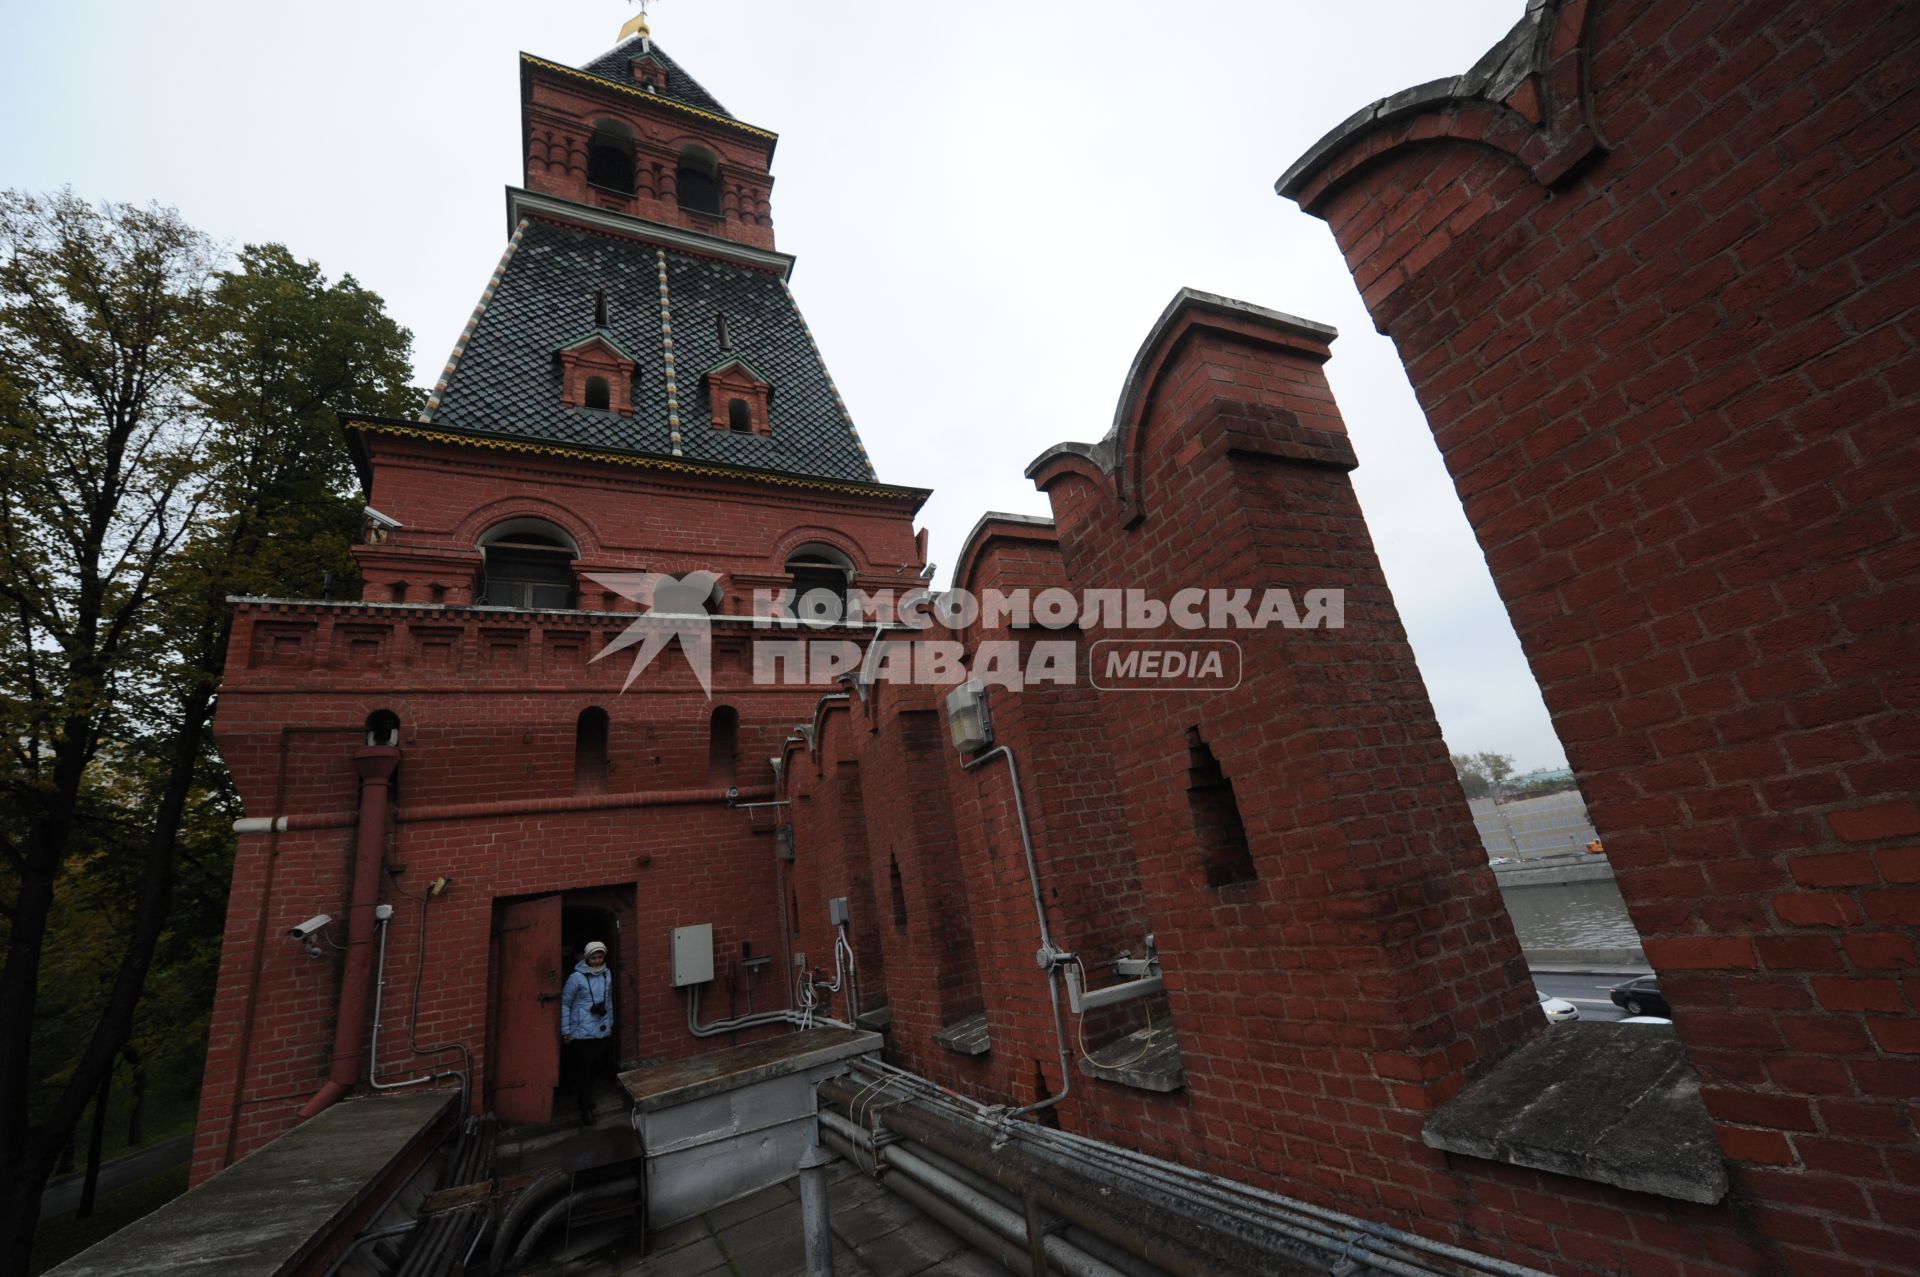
<point>593,947</point>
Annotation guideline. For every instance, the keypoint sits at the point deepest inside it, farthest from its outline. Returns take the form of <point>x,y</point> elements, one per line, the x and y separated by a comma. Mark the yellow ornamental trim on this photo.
<point>638,460</point>
<point>603,83</point>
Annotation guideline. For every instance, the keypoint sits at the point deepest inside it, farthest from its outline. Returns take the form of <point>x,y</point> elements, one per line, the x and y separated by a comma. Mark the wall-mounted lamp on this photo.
<point>968,719</point>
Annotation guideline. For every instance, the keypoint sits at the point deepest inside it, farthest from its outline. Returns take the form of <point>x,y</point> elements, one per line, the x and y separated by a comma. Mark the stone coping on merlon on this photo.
<point>280,1207</point>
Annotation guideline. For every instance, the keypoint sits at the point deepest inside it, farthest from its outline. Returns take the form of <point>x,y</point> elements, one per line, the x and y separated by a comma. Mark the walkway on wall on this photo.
<point>875,1234</point>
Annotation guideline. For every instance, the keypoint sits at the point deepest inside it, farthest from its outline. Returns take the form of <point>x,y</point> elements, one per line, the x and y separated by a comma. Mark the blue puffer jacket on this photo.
<point>584,988</point>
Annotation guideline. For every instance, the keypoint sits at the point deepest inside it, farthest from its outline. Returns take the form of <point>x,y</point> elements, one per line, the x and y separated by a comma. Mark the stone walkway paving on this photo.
<point>875,1235</point>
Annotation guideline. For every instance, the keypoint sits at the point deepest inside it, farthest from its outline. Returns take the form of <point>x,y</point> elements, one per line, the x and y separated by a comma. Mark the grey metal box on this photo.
<point>692,955</point>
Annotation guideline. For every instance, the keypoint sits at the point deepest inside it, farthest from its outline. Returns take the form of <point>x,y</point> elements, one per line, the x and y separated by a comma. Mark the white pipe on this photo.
<point>718,1027</point>
<point>1050,954</point>
<point>384,915</point>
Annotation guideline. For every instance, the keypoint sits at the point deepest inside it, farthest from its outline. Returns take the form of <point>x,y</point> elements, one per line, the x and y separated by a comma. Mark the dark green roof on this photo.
<point>504,377</point>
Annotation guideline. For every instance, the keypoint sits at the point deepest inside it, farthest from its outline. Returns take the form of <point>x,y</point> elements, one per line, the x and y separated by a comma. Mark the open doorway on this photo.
<point>537,941</point>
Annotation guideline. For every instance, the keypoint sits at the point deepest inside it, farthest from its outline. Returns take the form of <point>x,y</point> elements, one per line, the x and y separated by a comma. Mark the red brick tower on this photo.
<point>636,392</point>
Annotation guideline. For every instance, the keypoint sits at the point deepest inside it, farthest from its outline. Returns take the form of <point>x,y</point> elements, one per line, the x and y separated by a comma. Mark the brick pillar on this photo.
<point>1657,304</point>
<point>933,972</point>
<point>1361,952</point>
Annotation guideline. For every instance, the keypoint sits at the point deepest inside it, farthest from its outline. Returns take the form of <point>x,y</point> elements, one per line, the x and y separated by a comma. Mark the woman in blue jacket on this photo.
<point>586,1026</point>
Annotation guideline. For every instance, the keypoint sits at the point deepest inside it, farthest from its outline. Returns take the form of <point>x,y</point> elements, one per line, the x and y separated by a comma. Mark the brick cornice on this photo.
<point>636,460</point>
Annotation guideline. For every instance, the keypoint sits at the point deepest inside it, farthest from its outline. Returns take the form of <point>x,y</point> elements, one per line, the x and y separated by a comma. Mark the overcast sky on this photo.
<point>990,203</point>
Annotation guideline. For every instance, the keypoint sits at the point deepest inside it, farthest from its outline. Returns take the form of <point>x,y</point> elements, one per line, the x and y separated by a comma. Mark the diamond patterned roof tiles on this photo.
<point>616,65</point>
<point>505,380</point>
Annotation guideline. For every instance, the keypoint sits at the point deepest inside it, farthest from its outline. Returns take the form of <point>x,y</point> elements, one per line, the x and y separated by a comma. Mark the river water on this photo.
<point>1572,915</point>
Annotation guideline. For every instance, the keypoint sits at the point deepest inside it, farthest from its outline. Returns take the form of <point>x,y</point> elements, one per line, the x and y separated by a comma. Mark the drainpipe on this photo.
<point>376,765</point>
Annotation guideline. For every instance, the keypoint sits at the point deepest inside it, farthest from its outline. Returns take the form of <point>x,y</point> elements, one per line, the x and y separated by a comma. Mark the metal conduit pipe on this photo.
<point>1236,1216</point>
<point>1049,952</point>
<point>978,1205</point>
<point>378,1234</point>
<point>718,1027</point>
<point>560,1209</point>
<point>1215,1224</point>
<point>1098,1247</point>
<point>1181,1246</point>
<point>972,1231</point>
<point>1230,1212</point>
<point>1337,1223</point>
<point>384,915</point>
<point>549,1183</point>
<point>1340,1232</point>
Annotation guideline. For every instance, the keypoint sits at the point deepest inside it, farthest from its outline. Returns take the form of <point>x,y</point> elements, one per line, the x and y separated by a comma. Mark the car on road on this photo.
<point>1641,996</point>
<point>1558,1010</point>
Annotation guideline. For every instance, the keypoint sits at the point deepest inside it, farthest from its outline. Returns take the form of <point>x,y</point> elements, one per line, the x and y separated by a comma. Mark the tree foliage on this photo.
<point>1482,774</point>
<point>167,439</point>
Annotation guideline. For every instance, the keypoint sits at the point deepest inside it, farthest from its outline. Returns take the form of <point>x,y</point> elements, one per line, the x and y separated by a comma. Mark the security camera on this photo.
<point>733,795</point>
<point>311,927</point>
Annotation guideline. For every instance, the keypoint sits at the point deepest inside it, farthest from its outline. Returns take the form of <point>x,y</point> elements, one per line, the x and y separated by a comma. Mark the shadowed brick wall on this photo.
<point>1651,271</point>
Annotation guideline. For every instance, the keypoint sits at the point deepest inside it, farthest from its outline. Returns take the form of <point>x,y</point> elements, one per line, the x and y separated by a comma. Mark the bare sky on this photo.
<point>990,204</point>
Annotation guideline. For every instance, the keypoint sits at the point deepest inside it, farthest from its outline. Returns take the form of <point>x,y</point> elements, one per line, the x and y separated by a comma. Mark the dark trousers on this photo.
<point>588,1061</point>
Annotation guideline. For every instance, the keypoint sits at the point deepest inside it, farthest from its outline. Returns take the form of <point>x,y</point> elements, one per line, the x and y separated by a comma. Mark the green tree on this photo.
<point>1495,767</point>
<point>100,331</point>
<point>1473,779</point>
<point>171,440</point>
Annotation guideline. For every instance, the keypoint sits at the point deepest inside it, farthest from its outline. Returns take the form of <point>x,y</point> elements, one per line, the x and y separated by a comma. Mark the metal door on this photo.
<point>526,1064</point>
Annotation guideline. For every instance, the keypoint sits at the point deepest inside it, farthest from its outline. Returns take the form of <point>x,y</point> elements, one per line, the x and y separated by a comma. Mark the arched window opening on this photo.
<point>599,393</point>
<point>1216,817</point>
<point>590,751</point>
<point>739,415</point>
<point>820,578</point>
<point>610,158</point>
<point>529,564</point>
<point>723,746</point>
<point>698,182</point>
<point>899,894</point>
<point>383,727</point>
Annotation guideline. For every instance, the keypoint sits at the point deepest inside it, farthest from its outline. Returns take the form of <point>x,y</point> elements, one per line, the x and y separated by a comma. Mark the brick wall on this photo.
<point>488,794</point>
<point>561,113</point>
<point>1656,297</point>
<point>621,519</point>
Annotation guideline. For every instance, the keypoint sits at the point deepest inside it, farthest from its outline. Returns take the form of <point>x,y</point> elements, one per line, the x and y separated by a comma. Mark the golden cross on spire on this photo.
<point>637,25</point>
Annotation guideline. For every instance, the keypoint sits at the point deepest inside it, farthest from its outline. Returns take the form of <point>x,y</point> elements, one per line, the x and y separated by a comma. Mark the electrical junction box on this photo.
<point>692,955</point>
<point>837,912</point>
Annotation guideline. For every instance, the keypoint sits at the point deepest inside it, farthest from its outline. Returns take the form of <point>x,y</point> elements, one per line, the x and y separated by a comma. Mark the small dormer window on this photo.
<point>596,373</point>
<point>649,74</point>
<point>739,397</point>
